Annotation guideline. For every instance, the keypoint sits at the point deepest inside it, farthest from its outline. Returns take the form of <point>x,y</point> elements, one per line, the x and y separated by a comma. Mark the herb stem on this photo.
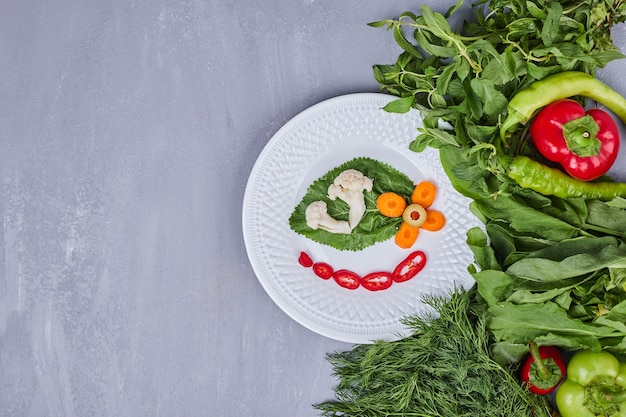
<point>421,26</point>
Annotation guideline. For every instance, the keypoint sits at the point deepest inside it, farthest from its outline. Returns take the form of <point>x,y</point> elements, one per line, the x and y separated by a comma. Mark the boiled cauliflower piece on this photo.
<point>349,187</point>
<point>317,217</point>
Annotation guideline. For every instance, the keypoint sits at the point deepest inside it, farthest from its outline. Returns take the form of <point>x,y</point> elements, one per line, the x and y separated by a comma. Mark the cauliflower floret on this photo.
<point>349,187</point>
<point>317,217</point>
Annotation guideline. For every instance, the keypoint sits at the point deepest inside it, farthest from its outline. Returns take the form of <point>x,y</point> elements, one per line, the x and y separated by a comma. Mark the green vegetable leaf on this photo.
<point>484,255</point>
<point>569,258</point>
<point>398,35</point>
<point>525,219</point>
<point>521,323</point>
<point>607,218</point>
<point>453,9</point>
<point>401,105</point>
<point>535,11</point>
<point>551,24</point>
<point>463,69</point>
<point>618,312</point>
<point>433,49</point>
<point>378,24</point>
<point>441,136</point>
<point>436,22</point>
<point>604,57</point>
<point>494,101</point>
<point>494,285</point>
<point>508,353</point>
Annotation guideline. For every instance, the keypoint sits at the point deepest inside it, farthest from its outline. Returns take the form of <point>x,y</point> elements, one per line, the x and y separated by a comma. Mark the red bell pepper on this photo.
<point>409,267</point>
<point>543,369</point>
<point>584,143</point>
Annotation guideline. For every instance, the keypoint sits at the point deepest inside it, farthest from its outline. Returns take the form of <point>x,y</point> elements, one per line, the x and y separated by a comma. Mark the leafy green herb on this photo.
<point>443,369</point>
<point>548,269</point>
<point>373,227</point>
<point>466,77</point>
<point>555,293</point>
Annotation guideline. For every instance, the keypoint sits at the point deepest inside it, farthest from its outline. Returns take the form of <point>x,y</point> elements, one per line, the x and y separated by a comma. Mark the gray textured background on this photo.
<point>127,133</point>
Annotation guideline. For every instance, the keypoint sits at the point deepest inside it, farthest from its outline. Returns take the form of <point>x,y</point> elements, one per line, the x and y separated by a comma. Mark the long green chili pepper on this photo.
<point>550,181</point>
<point>559,86</point>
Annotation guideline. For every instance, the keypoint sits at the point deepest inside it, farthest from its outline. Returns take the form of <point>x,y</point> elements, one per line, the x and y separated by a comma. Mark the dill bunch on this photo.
<point>443,369</point>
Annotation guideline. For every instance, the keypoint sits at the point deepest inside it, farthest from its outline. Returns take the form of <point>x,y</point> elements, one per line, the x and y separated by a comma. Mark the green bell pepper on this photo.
<point>595,386</point>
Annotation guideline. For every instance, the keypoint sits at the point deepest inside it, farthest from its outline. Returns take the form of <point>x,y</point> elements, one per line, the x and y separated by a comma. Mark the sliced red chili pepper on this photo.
<point>377,281</point>
<point>305,260</point>
<point>323,270</point>
<point>410,266</point>
<point>347,279</point>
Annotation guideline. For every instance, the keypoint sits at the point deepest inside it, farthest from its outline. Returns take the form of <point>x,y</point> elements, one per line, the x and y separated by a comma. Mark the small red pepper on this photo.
<point>347,279</point>
<point>323,270</point>
<point>305,260</point>
<point>584,143</point>
<point>410,266</point>
<point>543,369</point>
<point>376,281</point>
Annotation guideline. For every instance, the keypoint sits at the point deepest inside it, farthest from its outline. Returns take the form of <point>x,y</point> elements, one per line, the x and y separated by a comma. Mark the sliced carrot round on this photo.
<point>424,194</point>
<point>391,204</point>
<point>406,235</point>
<point>435,220</point>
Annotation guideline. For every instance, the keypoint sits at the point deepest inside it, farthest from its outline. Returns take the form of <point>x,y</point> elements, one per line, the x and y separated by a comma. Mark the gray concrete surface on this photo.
<point>127,133</point>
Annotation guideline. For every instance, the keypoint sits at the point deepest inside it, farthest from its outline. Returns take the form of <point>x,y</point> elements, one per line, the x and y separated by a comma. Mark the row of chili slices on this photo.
<point>374,281</point>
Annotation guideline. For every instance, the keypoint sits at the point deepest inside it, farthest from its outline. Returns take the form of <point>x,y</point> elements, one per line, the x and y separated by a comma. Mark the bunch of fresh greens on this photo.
<point>373,227</point>
<point>548,269</point>
<point>552,269</point>
<point>466,78</point>
<point>554,273</point>
<point>444,369</point>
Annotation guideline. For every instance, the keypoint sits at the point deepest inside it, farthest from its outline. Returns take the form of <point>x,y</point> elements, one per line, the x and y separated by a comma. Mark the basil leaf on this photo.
<point>401,105</point>
<point>404,43</point>
<point>551,24</point>
<point>433,49</point>
<point>494,101</point>
<point>436,22</point>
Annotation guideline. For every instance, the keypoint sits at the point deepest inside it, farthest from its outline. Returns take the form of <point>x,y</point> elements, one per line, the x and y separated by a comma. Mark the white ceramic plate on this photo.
<point>312,143</point>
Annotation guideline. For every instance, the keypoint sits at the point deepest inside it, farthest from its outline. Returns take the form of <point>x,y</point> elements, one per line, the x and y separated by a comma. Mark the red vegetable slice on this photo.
<point>410,266</point>
<point>305,260</point>
<point>377,281</point>
<point>347,279</point>
<point>323,270</point>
